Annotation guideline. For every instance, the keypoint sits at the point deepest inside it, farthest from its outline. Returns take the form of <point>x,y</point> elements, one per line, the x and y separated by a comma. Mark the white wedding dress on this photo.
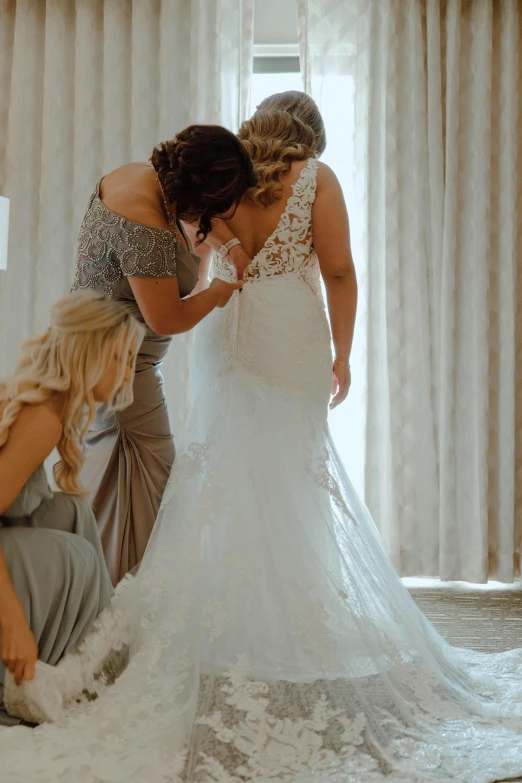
<point>269,637</point>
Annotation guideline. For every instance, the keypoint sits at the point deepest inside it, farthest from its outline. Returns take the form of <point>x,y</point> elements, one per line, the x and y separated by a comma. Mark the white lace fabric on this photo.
<point>289,249</point>
<point>268,636</point>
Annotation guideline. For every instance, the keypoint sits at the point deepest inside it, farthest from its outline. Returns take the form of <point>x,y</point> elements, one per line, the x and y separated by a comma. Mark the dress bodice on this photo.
<point>289,249</point>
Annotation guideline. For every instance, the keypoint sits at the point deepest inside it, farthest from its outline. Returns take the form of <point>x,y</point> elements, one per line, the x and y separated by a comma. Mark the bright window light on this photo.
<point>337,107</point>
<point>347,422</point>
<point>265,84</point>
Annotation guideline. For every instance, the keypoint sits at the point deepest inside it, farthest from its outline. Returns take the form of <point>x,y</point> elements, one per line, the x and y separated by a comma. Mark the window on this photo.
<point>276,69</point>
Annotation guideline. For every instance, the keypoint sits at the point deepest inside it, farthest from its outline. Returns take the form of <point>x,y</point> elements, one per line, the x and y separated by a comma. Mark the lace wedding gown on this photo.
<point>269,638</point>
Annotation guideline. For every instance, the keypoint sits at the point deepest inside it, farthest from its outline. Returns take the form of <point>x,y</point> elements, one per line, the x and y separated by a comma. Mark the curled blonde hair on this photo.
<point>69,359</point>
<point>285,127</point>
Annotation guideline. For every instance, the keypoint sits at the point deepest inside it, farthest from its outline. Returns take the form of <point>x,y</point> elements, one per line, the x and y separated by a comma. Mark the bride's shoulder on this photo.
<point>292,174</point>
<point>324,171</point>
<point>326,177</point>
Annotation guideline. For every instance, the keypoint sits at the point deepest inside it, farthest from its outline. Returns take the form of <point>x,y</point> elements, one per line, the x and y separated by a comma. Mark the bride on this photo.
<point>266,636</point>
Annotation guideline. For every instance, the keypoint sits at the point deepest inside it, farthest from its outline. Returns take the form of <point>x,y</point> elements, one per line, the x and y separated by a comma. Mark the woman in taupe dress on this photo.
<point>53,577</point>
<point>132,247</point>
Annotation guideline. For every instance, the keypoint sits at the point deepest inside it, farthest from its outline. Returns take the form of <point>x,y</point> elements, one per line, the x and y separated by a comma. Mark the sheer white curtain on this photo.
<point>86,86</point>
<point>438,171</point>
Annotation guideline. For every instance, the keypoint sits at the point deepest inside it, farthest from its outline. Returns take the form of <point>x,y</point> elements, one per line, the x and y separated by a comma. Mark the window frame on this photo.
<point>276,58</point>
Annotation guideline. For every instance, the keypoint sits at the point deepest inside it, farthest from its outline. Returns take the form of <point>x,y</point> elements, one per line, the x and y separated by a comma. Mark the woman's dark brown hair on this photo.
<point>204,172</point>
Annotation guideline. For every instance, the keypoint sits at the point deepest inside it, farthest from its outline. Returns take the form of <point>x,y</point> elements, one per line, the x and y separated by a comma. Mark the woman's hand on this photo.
<point>239,259</point>
<point>224,290</point>
<point>341,383</point>
<point>237,256</point>
<point>19,648</point>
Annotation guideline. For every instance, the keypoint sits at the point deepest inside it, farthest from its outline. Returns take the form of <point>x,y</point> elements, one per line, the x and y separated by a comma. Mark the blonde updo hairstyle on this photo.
<point>285,127</point>
<point>69,359</point>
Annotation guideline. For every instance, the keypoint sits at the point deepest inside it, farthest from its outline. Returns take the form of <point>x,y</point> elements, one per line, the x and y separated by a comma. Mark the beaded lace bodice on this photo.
<point>112,248</point>
<point>289,249</point>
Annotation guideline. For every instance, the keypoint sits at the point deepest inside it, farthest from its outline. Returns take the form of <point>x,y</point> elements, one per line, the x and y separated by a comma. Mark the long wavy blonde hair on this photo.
<point>69,359</point>
<point>285,127</point>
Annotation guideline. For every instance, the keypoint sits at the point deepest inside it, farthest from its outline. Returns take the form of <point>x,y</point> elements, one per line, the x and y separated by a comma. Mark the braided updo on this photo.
<point>285,127</point>
<point>204,172</point>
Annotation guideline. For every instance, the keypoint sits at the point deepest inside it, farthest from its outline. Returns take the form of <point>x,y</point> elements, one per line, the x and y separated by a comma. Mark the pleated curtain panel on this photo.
<point>438,169</point>
<point>86,86</point>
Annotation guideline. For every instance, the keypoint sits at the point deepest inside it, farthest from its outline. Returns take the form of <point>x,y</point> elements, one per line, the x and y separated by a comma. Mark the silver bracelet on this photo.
<point>227,247</point>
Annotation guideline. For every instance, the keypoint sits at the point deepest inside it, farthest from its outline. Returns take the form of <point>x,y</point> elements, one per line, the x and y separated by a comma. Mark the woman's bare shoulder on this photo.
<point>36,429</point>
<point>42,414</point>
<point>32,437</point>
<point>325,172</point>
<point>327,180</point>
<point>132,192</point>
<point>130,174</point>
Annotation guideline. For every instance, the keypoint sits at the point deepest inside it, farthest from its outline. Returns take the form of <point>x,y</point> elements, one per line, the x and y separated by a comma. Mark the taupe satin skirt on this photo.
<point>130,456</point>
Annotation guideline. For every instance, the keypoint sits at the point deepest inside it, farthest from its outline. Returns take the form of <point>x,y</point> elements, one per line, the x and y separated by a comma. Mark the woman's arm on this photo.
<point>32,437</point>
<point>166,313</point>
<point>19,651</point>
<point>332,245</point>
<point>220,234</point>
<point>158,297</point>
<point>205,254</point>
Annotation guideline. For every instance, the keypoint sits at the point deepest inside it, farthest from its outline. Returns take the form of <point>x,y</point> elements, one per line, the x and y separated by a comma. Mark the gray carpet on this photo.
<point>488,620</point>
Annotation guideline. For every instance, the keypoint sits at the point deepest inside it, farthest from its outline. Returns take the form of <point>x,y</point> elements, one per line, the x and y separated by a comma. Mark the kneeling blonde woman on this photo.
<point>53,577</point>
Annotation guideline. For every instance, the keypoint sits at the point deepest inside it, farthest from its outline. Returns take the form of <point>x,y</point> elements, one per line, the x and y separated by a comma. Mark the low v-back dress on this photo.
<point>130,453</point>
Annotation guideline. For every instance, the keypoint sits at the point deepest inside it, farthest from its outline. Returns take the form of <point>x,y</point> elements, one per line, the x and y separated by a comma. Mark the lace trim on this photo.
<point>269,748</point>
<point>188,464</point>
<point>289,249</point>
<point>324,479</point>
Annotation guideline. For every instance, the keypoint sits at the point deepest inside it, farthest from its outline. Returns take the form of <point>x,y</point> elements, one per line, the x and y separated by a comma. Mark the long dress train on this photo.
<point>269,637</point>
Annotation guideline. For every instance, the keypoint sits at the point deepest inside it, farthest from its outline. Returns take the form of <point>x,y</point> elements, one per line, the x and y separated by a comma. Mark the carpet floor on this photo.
<point>484,619</point>
<point>488,619</point>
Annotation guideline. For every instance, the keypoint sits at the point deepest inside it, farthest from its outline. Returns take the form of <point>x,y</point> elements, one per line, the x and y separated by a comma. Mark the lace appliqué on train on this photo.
<point>271,747</point>
<point>188,465</point>
<point>320,472</point>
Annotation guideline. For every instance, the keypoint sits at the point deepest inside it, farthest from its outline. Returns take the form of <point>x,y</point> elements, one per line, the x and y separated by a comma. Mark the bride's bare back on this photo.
<point>306,232</point>
<point>254,224</point>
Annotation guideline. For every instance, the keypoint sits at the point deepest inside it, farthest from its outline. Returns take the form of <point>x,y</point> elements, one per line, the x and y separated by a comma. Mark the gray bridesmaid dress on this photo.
<point>52,549</point>
<point>130,453</point>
